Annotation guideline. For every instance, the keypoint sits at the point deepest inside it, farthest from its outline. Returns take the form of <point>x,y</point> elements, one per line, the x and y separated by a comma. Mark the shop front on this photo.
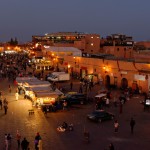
<point>83,71</point>
<point>92,78</point>
<point>46,98</point>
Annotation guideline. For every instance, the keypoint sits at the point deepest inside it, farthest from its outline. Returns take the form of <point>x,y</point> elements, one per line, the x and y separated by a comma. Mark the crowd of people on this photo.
<point>22,143</point>
<point>11,66</point>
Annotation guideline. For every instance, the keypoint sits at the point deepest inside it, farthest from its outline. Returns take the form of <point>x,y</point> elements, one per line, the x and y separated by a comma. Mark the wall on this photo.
<point>92,43</point>
<point>119,51</point>
<point>118,69</point>
<point>146,44</point>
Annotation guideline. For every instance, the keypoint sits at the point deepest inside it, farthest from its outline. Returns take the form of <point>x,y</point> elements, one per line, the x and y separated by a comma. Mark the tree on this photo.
<point>16,41</point>
<point>13,42</point>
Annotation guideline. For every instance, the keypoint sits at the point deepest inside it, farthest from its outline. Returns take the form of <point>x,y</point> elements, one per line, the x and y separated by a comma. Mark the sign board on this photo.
<point>123,72</point>
<point>139,77</point>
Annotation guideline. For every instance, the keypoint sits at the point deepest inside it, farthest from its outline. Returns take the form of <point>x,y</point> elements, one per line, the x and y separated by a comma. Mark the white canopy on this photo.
<point>46,94</point>
<point>70,51</point>
<point>42,89</point>
<point>21,80</point>
<point>100,95</point>
<point>36,83</point>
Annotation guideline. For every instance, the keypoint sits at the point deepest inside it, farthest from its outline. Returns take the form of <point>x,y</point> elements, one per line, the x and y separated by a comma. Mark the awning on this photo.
<point>144,71</point>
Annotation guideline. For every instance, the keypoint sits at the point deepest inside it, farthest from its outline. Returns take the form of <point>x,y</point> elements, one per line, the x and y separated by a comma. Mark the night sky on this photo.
<point>24,18</point>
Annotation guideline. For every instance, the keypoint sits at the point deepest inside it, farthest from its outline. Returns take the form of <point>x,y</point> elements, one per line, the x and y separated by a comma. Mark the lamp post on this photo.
<point>74,64</point>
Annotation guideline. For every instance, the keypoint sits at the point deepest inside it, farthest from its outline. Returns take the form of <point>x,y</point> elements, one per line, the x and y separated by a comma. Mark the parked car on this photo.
<point>100,115</point>
<point>76,98</point>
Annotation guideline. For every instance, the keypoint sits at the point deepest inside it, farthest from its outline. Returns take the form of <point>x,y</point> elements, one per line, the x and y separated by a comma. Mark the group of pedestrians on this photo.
<point>132,125</point>
<point>24,143</point>
<point>3,104</point>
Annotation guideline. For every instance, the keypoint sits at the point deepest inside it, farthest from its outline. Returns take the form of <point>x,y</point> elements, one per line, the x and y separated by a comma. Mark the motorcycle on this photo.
<point>63,129</point>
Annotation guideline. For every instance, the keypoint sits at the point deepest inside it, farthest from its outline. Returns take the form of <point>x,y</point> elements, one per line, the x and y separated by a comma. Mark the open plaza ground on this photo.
<point>101,134</point>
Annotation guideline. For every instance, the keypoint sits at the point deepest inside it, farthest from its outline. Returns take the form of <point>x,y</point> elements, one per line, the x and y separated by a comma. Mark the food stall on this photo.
<point>39,92</point>
<point>45,98</point>
<point>31,92</point>
<point>20,81</point>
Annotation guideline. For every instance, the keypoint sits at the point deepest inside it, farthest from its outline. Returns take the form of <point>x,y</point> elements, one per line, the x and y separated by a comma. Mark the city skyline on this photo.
<point>22,19</point>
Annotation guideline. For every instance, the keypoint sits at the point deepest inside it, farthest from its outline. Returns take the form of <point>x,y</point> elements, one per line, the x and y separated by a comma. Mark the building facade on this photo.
<point>113,73</point>
<point>118,45</point>
<point>88,43</point>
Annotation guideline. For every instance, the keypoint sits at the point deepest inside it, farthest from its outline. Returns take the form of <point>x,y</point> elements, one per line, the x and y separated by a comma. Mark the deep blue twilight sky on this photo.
<point>24,18</point>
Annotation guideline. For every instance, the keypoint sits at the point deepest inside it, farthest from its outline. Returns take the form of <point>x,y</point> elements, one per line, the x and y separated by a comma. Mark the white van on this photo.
<point>59,76</point>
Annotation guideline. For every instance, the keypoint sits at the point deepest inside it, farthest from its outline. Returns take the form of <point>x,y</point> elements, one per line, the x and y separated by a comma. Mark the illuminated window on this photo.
<point>91,37</point>
<point>92,44</point>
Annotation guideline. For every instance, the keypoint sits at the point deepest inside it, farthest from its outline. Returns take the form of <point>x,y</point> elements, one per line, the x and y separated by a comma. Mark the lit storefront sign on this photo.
<point>139,77</point>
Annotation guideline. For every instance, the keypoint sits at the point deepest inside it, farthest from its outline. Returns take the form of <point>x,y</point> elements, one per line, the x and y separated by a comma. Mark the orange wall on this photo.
<point>119,51</point>
<point>120,69</point>
<point>92,43</point>
<point>63,44</point>
<point>80,44</point>
<point>146,44</point>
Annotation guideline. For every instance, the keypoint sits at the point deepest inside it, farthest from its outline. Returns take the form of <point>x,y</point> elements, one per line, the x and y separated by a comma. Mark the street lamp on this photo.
<point>74,64</point>
<point>68,67</point>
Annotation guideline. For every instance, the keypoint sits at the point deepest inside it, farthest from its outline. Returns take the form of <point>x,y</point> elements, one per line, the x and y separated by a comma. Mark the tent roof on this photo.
<point>36,83</point>
<point>47,94</point>
<point>42,89</point>
<point>63,49</point>
<point>25,79</point>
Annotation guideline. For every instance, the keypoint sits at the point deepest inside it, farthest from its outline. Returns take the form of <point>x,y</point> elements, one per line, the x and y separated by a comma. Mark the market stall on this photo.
<point>47,100</point>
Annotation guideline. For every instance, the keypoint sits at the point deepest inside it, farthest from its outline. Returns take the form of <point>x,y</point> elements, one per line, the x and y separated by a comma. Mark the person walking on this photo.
<point>9,137</point>
<point>5,108</point>
<point>132,124</point>
<point>116,126</point>
<point>6,142</point>
<point>40,145</point>
<point>107,102</point>
<point>24,144</point>
<point>36,141</point>
<point>9,88</point>
<point>16,95</point>
<point>18,137</point>
<point>45,110</point>
<point>65,105</point>
<point>5,102</point>
<point>80,88</point>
